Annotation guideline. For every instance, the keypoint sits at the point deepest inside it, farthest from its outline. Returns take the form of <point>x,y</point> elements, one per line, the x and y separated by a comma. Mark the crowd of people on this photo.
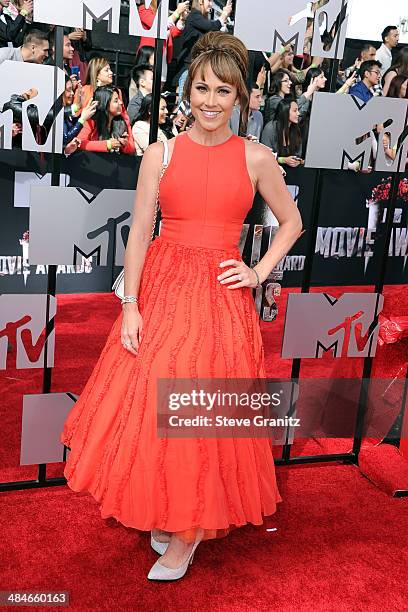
<point>103,118</point>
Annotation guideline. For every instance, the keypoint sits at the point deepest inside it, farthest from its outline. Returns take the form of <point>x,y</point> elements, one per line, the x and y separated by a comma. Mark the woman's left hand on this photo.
<point>239,273</point>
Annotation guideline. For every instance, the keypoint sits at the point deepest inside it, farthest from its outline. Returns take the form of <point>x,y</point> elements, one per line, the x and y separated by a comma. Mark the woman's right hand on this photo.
<point>89,110</point>
<point>132,325</point>
<point>182,7</point>
<point>115,143</point>
<point>292,161</point>
<point>226,12</point>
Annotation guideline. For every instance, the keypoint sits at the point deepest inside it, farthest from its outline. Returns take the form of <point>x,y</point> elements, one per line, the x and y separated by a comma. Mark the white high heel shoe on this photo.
<point>161,572</point>
<point>159,547</point>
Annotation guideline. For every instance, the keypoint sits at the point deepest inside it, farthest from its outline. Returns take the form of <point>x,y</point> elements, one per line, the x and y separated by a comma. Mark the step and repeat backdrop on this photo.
<point>81,224</point>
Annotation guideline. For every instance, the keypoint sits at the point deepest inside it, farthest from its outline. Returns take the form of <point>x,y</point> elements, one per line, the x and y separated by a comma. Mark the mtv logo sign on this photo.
<point>282,23</point>
<point>49,82</point>
<point>67,223</point>
<point>317,323</point>
<point>22,331</point>
<point>82,14</point>
<point>341,132</point>
<point>78,13</point>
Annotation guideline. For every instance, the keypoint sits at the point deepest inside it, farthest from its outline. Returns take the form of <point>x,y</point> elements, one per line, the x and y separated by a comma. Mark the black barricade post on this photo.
<point>379,287</point>
<point>52,269</point>
<point>157,71</point>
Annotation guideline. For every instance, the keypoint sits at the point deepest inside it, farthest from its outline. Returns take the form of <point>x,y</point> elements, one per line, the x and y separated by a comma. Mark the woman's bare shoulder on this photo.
<point>257,153</point>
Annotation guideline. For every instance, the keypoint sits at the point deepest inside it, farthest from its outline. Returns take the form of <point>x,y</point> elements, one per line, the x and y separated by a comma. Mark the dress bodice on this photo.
<point>205,193</point>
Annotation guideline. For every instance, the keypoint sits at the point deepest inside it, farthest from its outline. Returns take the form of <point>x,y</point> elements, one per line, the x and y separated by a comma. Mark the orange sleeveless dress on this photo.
<point>193,327</point>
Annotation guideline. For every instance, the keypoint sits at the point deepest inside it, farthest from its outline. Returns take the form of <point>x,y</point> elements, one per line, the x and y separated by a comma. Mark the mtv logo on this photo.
<point>78,13</point>
<point>330,20</point>
<point>289,24</point>
<point>274,29</point>
<point>23,320</point>
<point>317,323</point>
<point>43,420</point>
<point>82,14</point>
<point>66,223</point>
<point>348,138</point>
<point>19,77</point>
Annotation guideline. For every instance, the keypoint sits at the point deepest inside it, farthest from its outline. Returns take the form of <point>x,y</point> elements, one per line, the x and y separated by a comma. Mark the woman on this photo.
<point>99,74</point>
<point>198,22</point>
<point>108,131</point>
<point>297,76</point>
<point>398,87</point>
<point>175,27</point>
<point>188,313</point>
<point>281,85</point>
<point>73,124</point>
<point>141,128</point>
<point>283,134</point>
<point>400,67</point>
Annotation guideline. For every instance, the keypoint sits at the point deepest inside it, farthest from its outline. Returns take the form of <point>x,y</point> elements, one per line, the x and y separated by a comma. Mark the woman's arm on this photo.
<point>140,236</point>
<point>129,148</point>
<point>387,81</point>
<point>271,186</point>
<point>88,143</point>
<point>140,135</point>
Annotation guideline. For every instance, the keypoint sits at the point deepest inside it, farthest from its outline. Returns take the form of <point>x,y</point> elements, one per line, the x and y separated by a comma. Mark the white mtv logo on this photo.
<point>19,77</point>
<point>286,22</point>
<point>82,14</point>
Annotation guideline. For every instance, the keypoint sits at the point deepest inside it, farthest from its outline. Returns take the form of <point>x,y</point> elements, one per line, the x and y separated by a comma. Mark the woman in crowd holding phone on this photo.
<point>283,134</point>
<point>108,131</point>
<point>188,312</point>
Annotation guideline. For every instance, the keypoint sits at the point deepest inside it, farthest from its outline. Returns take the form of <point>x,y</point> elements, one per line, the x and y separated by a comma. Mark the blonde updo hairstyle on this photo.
<point>227,56</point>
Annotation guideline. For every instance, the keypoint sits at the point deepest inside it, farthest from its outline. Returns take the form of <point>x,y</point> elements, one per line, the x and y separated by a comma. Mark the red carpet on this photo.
<point>340,543</point>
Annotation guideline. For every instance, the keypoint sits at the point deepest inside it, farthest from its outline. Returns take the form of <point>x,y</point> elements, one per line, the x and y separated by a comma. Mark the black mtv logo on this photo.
<point>110,227</point>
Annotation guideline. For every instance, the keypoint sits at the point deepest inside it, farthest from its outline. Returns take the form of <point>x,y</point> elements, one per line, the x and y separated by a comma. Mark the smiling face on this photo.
<point>105,76</point>
<point>115,105</point>
<point>211,100</point>
<point>256,99</point>
<point>68,50</point>
<point>321,81</point>
<point>206,7</point>
<point>68,94</point>
<point>286,84</point>
<point>287,59</point>
<point>163,112</point>
<point>294,113</point>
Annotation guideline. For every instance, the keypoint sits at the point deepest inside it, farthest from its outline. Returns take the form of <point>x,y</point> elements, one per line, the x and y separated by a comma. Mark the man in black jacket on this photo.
<point>12,31</point>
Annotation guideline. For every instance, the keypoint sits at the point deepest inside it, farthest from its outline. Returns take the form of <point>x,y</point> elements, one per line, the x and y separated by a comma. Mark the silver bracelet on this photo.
<point>129,299</point>
<point>257,278</point>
